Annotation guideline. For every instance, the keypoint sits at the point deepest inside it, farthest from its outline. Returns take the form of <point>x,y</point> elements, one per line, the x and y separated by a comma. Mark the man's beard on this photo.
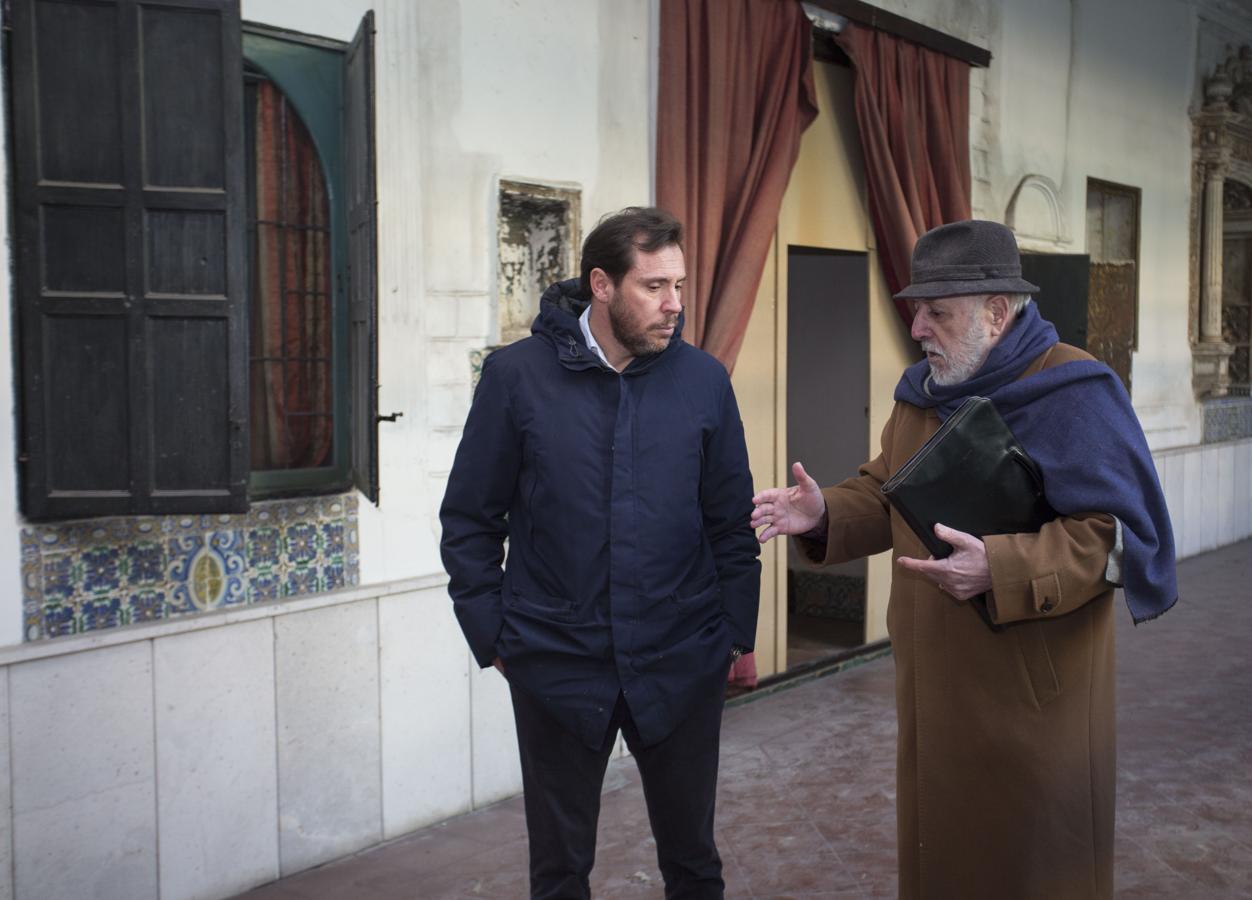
<point>964,358</point>
<point>638,337</point>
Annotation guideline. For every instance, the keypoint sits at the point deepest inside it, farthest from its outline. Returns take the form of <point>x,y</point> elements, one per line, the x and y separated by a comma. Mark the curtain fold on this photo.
<point>735,94</point>
<point>912,113</point>
<point>291,324</point>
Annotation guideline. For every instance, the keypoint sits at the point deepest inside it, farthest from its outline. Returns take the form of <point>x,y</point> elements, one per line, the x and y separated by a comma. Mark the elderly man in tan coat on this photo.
<point>1006,750</point>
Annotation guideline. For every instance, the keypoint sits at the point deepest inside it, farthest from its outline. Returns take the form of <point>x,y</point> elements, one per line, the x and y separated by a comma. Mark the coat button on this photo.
<point>1048,606</point>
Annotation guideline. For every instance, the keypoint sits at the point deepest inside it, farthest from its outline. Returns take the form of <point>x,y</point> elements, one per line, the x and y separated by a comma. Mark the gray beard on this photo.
<point>956,373</point>
<point>966,358</point>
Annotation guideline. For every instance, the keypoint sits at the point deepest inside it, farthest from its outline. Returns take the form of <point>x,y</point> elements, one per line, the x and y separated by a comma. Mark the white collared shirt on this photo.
<point>584,322</point>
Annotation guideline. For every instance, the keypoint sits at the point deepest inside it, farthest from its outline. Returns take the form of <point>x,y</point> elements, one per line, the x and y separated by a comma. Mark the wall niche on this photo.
<point>537,241</point>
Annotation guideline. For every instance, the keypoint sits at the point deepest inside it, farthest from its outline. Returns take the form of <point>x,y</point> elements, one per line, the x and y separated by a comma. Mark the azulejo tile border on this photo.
<point>85,576</point>
<point>1227,419</point>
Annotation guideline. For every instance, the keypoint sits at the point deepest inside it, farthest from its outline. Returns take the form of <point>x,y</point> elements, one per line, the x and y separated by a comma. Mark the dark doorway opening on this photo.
<point>828,431</point>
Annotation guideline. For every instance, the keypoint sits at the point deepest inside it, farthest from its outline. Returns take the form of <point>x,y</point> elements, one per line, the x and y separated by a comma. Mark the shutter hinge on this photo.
<point>390,418</point>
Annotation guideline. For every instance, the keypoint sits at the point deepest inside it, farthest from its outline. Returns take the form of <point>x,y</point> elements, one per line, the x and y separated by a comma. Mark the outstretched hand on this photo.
<point>964,574</point>
<point>792,510</point>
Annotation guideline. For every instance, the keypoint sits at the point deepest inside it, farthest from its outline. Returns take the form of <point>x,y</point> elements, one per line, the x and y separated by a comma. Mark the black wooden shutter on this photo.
<point>362,256</point>
<point>1062,296</point>
<point>129,228</point>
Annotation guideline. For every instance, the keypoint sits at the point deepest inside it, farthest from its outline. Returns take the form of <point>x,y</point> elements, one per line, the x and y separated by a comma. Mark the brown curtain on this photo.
<point>735,94</point>
<point>912,111</point>
<point>291,324</point>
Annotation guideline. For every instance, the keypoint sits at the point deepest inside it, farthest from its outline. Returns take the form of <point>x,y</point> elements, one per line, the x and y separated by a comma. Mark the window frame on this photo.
<point>148,446</point>
<point>309,72</point>
<point>1105,189</point>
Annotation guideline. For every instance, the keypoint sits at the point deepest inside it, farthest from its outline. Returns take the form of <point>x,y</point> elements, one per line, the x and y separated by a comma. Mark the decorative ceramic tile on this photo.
<point>332,577</point>
<point>58,576</point>
<point>100,571</point>
<point>105,612</point>
<point>264,586</point>
<point>302,544</point>
<point>263,546</point>
<point>145,563</point>
<point>147,606</point>
<point>1227,419</point>
<point>89,575</point>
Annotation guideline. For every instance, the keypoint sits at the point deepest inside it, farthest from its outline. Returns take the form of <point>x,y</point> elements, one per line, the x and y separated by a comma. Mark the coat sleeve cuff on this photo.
<point>482,629</point>
<point>1049,573</point>
<point>1014,598</point>
<point>741,616</point>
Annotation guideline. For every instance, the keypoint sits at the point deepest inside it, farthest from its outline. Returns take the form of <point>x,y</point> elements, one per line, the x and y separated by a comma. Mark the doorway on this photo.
<point>828,431</point>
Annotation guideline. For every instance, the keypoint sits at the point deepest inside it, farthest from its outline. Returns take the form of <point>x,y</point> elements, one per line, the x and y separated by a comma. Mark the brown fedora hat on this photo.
<point>970,257</point>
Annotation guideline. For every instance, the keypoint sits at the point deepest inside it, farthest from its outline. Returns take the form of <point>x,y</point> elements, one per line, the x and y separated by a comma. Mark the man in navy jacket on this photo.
<point>610,455</point>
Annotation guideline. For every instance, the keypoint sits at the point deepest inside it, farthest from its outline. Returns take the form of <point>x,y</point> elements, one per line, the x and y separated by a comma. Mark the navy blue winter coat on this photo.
<point>625,499</point>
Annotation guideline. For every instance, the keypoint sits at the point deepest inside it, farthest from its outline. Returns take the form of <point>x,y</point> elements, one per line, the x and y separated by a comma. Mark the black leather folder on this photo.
<point>972,475</point>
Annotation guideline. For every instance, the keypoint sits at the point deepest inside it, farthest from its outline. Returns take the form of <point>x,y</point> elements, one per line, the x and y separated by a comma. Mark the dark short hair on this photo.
<point>612,243</point>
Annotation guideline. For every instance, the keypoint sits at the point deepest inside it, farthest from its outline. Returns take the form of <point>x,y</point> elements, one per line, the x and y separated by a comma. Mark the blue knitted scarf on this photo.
<point>1075,420</point>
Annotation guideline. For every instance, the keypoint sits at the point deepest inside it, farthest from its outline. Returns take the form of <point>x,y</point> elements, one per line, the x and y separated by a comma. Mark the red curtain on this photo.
<point>291,324</point>
<point>912,112</point>
<point>735,94</point>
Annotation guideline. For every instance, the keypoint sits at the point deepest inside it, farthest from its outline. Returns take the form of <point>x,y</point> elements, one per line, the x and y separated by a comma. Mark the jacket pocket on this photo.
<point>1032,644</point>
<point>541,606</point>
<point>700,594</point>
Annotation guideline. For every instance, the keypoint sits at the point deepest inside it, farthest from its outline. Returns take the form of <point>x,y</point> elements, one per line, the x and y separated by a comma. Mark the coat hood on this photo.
<point>559,308</point>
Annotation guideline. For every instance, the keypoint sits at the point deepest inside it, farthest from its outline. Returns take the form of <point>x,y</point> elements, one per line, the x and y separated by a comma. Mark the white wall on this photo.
<point>469,93</point>
<point>551,92</point>
<point>1133,62</point>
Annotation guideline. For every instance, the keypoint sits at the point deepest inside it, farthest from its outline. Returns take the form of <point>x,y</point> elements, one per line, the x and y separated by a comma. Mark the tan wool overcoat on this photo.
<point>1006,751</point>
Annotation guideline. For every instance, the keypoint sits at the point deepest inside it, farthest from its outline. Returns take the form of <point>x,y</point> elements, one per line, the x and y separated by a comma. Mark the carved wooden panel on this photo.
<point>1111,315</point>
<point>1236,197</point>
<point>1237,303</point>
<point>1113,288</point>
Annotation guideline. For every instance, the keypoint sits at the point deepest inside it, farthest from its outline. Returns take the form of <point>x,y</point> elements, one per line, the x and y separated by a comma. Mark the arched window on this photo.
<point>291,302</point>
<point>305,408</point>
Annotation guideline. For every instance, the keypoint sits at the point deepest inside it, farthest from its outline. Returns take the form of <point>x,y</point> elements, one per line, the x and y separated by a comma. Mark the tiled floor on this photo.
<point>807,783</point>
<point>811,638</point>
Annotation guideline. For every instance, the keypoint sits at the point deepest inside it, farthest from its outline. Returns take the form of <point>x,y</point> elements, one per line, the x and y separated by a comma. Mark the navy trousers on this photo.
<point>561,781</point>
